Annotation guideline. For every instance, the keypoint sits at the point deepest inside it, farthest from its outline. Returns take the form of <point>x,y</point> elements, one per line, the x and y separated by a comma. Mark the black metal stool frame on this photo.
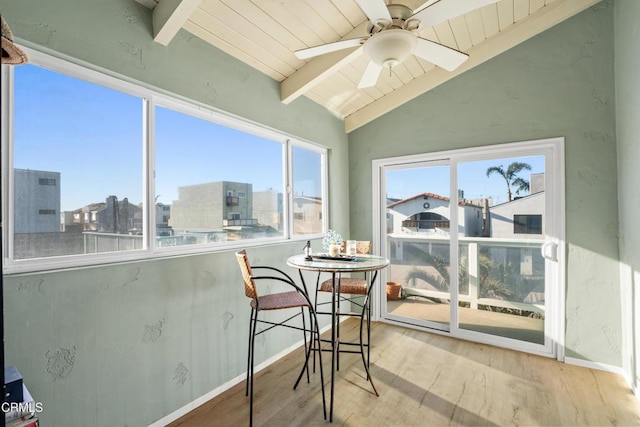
<point>313,330</point>
<point>366,311</point>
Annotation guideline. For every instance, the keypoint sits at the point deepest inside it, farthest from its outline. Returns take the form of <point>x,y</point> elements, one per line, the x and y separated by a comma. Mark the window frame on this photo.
<point>289,208</point>
<point>150,99</point>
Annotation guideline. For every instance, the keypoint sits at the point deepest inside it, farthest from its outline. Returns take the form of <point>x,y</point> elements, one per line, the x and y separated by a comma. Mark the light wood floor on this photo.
<point>430,380</point>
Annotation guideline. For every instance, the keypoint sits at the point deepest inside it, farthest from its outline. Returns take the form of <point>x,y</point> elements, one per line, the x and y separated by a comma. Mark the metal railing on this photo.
<point>504,273</point>
<point>96,242</point>
<point>239,222</point>
<point>425,224</point>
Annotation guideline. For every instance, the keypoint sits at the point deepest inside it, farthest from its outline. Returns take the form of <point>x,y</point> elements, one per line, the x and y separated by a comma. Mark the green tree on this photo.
<point>490,287</point>
<point>510,176</point>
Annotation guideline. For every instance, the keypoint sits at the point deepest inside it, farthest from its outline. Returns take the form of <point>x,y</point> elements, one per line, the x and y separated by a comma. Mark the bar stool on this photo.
<point>297,298</point>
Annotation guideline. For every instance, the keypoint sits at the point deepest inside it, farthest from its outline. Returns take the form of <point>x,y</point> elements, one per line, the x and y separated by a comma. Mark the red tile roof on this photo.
<point>431,196</point>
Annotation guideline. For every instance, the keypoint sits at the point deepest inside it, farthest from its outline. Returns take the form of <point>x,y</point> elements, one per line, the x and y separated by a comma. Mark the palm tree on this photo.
<point>511,178</point>
<point>493,287</point>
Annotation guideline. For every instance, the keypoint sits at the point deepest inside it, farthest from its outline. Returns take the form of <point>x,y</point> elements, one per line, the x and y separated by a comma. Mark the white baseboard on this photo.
<point>224,387</point>
<point>595,365</point>
<point>608,368</point>
<point>199,401</point>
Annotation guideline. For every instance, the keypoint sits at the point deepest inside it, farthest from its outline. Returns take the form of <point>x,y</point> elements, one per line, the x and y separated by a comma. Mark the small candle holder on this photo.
<point>307,251</point>
<point>334,250</point>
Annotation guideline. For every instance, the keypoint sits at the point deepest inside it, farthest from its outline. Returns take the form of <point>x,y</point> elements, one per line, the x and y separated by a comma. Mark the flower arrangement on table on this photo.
<point>332,242</point>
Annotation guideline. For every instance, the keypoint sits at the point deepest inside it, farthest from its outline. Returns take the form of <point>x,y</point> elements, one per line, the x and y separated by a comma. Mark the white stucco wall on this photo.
<point>501,216</point>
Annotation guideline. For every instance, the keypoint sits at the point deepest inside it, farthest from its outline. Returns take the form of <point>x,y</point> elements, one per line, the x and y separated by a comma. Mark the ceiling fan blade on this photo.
<point>370,76</point>
<point>310,52</point>
<point>447,9</point>
<point>442,56</point>
<point>375,10</point>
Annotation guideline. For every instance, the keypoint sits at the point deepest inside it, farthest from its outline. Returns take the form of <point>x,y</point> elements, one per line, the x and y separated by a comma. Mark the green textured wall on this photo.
<point>559,83</point>
<point>131,343</point>
<point>627,66</point>
<point>128,344</point>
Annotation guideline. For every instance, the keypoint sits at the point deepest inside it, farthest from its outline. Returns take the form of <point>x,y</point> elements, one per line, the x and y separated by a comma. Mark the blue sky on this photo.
<point>193,151</point>
<point>472,179</point>
<point>61,126</point>
<point>93,136</point>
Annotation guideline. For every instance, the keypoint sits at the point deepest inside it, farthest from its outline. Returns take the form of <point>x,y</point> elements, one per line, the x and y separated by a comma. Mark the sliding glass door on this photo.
<point>502,273</point>
<point>417,205</point>
<point>473,238</point>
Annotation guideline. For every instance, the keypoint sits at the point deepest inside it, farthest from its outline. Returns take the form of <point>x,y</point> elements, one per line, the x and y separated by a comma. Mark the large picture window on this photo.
<point>77,176</point>
<point>220,184</point>
<point>98,170</point>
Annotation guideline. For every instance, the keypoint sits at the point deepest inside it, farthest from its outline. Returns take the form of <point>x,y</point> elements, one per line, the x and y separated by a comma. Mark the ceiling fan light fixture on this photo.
<point>390,47</point>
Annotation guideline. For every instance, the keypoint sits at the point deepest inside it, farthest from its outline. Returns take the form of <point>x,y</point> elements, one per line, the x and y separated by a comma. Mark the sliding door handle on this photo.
<point>549,251</point>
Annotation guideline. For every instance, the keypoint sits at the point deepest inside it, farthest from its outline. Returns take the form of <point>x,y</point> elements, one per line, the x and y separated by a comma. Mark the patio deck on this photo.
<point>491,322</point>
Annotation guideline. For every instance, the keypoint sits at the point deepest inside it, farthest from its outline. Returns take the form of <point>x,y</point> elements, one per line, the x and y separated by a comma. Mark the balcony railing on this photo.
<point>425,224</point>
<point>239,222</point>
<point>96,242</point>
<point>502,273</point>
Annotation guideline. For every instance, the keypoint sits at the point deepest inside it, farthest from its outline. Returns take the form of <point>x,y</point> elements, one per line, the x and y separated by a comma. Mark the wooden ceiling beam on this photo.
<point>314,72</point>
<point>545,18</point>
<point>169,16</point>
<point>319,68</point>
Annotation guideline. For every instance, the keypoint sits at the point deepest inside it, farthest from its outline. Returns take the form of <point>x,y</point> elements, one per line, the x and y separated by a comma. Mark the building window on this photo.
<point>205,164</point>
<point>527,224</point>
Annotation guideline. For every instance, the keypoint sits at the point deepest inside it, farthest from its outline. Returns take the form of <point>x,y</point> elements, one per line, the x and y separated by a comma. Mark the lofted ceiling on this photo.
<point>265,34</point>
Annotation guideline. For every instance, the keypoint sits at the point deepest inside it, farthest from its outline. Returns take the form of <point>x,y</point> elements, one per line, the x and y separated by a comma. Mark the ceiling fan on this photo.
<point>393,36</point>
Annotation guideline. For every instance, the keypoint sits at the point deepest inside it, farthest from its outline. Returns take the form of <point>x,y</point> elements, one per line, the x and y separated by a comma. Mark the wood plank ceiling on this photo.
<point>265,34</point>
